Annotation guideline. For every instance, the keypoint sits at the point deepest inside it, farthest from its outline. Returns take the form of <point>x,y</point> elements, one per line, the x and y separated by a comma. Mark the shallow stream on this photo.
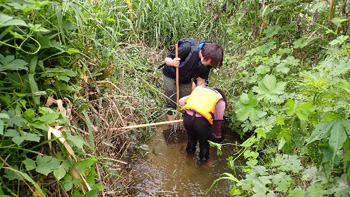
<point>168,171</point>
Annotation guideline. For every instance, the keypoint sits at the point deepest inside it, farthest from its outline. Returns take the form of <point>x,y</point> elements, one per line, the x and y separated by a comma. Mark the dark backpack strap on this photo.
<point>161,66</point>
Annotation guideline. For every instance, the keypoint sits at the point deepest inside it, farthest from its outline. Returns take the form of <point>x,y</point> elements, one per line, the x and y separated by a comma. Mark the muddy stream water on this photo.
<point>167,170</point>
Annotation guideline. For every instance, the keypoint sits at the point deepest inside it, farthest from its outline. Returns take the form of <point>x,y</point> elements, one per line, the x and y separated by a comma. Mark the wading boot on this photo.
<point>191,146</point>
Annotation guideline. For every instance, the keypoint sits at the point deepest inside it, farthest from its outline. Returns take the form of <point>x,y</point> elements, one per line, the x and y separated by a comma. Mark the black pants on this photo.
<point>198,129</point>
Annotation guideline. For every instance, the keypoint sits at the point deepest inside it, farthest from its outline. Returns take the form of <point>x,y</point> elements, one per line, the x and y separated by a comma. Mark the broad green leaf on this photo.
<point>315,190</point>
<point>259,188</point>
<point>282,68</point>
<point>297,192</point>
<point>291,163</point>
<point>347,156</point>
<point>37,28</point>
<point>11,133</point>
<point>25,7</point>
<point>282,181</point>
<point>10,174</point>
<point>260,133</point>
<point>29,164</point>
<point>345,85</point>
<point>236,192</point>
<point>10,63</point>
<point>39,3</point>
<point>272,30</point>
<point>32,64</point>
<point>40,125</point>
<point>67,183</point>
<point>287,163</point>
<point>304,110</point>
<point>252,162</point>
<point>15,34</point>
<point>59,172</point>
<point>341,187</point>
<point>92,193</point>
<point>4,116</point>
<point>286,133</point>
<point>300,43</point>
<point>60,73</point>
<point>346,126</point>
<point>275,59</point>
<point>334,68</point>
<point>44,42</point>
<point>76,140</point>
<point>322,130</point>
<point>280,120</point>
<point>339,40</point>
<point>260,170</point>
<point>281,143</point>
<point>310,174</point>
<point>43,164</point>
<point>291,61</point>
<point>247,108</point>
<point>247,183</point>
<point>19,137</point>
<point>264,179</point>
<point>18,140</point>
<point>1,127</point>
<point>319,6</point>
<point>336,129</point>
<point>31,137</point>
<point>269,90</point>
<point>266,48</point>
<point>49,117</point>
<point>290,105</point>
<point>86,164</point>
<point>338,137</point>
<point>6,20</point>
<point>252,154</point>
<point>28,114</point>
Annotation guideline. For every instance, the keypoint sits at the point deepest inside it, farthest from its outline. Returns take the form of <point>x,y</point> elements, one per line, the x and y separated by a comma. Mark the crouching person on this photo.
<point>202,109</point>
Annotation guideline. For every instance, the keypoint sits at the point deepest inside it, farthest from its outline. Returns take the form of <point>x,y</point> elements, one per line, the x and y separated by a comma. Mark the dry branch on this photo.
<point>146,125</point>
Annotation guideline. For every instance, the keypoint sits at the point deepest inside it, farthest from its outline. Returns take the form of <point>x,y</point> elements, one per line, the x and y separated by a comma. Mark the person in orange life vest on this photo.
<point>203,108</point>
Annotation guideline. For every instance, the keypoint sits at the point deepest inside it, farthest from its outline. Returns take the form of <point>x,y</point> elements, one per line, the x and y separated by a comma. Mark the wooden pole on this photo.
<point>146,125</point>
<point>177,82</point>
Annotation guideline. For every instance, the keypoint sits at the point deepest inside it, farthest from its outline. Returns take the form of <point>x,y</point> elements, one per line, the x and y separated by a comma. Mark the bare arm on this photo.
<point>172,62</point>
<point>200,82</point>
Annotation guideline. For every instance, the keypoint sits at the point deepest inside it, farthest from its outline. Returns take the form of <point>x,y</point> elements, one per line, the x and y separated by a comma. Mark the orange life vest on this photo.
<point>203,100</point>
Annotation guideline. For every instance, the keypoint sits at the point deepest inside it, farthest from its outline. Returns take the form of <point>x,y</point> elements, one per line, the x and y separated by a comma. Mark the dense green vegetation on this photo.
<point>70,71</point>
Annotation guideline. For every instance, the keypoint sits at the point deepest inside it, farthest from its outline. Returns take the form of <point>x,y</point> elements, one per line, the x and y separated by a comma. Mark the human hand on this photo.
<point>176,62</point>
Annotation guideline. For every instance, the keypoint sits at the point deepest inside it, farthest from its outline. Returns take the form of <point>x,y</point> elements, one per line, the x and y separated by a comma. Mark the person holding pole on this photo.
<point>203,117</point>
<point>194,61</point>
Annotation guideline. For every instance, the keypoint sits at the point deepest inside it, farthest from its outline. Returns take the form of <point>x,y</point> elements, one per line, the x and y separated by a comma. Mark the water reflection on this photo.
<point>169,171</point>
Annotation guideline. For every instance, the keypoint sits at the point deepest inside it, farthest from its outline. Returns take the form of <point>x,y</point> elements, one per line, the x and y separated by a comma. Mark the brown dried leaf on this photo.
<point>50,101</point>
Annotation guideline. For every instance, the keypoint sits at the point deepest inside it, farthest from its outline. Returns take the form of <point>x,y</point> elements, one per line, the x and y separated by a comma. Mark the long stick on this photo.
<point>177,82</point>
<point>146,125</point>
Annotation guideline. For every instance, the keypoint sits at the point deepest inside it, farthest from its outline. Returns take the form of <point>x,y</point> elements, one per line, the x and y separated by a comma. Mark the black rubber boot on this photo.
<point>203,155</point>
<point>191,146</point>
